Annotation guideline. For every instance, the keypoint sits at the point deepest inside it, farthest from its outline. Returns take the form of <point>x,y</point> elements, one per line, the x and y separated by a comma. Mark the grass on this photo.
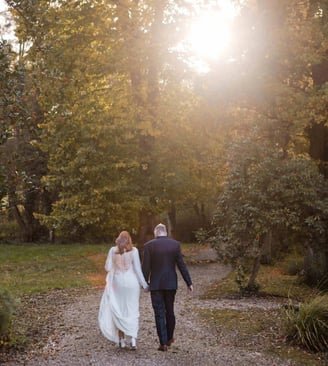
<point>273,281</point>
<point>309,325</point>
<point>32,268</point>
<point>258,329</point>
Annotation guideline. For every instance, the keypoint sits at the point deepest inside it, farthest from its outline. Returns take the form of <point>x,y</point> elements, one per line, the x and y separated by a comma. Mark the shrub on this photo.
<point>6,311</point>
<point>308,324</point>
<point>294,266</point>
<point>8,229</point>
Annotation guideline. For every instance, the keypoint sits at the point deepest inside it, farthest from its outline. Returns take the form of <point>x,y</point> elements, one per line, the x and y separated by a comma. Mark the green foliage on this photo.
<point>8,229</point>
<point>22,163</point>
<point>201,235</point>
<point>116,115</point>
<point>308,325</point>
<point>263,193</point>
<point>240,278</point>
<point>88,130</point>
<point>294,266</point>
<point>116,106</point>
<point>6,312</point>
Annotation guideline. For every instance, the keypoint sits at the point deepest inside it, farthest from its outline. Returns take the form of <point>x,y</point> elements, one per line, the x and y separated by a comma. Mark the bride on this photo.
<point>119,306</point>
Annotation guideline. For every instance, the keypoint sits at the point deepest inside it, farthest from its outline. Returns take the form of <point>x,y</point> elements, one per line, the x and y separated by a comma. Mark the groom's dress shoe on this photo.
<point>162,348</point>
<point>170,341</point>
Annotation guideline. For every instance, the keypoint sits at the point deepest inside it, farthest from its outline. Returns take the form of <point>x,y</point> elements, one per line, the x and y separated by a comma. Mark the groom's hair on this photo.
<point>160,230</point>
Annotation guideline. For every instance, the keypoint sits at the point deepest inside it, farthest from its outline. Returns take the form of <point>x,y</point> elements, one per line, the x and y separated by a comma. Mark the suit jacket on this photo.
<point>160,258</point>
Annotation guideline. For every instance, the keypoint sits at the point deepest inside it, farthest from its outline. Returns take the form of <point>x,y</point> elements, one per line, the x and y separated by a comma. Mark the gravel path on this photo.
<point>77,341</point>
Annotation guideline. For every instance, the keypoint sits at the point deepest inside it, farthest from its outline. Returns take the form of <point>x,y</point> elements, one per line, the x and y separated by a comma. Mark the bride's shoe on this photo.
<point>133,343</point>
<point>122,343</point>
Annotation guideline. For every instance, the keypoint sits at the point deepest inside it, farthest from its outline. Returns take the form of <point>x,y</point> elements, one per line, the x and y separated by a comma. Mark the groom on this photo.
<point>160,258</point>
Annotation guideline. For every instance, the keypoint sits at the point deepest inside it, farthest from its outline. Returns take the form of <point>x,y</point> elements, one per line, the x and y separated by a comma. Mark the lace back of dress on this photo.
<point>123,262</point>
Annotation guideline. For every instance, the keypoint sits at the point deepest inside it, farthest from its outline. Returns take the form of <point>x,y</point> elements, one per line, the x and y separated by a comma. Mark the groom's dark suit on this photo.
<point>161,256</point>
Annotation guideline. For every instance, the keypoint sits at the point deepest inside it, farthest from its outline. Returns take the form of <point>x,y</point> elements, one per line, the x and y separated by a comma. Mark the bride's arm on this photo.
<point>137,268</point>
<point>109,260</point>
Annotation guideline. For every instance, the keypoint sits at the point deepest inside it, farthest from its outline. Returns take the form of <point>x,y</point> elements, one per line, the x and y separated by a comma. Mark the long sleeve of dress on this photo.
<point>137,268</point>
<point>109,260</point>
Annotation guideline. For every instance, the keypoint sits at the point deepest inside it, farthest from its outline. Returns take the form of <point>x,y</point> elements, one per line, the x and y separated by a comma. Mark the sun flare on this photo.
<point>211,34</point>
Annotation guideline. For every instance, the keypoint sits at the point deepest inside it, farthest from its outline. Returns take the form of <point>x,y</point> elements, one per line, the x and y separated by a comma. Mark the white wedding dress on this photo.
<point>119,305</point>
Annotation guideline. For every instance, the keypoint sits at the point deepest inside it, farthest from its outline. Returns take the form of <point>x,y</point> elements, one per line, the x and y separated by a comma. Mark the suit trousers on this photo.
<point>163,305</point>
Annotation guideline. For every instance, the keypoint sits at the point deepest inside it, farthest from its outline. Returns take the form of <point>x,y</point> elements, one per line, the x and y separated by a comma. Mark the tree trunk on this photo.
<point>14,210</point>
<point>26,231</point>
<point>146,229</point>
<point>315,266</point>
<point>255,271</point>
<point>257,263</point>
<point>318,132</point>
<point>200,213</point>
<point>171,221</point>
<point>266,256</point>
<point>318,136</point>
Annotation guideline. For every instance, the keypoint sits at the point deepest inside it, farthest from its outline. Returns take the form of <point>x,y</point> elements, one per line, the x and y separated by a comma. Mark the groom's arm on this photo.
<point>183,269</point>
<point>146,264</point>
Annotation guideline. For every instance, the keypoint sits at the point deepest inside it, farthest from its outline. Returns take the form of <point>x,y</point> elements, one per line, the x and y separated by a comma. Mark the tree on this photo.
<point>110,89</point>
<point>266,195</point>
<point>277,101</point>
<point>317,128</point>
<point>23,164</point>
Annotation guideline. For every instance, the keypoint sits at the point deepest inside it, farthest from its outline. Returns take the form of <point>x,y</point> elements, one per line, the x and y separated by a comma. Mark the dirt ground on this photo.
<point>67,333</point>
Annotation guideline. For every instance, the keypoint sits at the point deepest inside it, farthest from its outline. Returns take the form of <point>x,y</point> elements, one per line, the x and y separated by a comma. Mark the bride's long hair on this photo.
<point>123,242</point>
